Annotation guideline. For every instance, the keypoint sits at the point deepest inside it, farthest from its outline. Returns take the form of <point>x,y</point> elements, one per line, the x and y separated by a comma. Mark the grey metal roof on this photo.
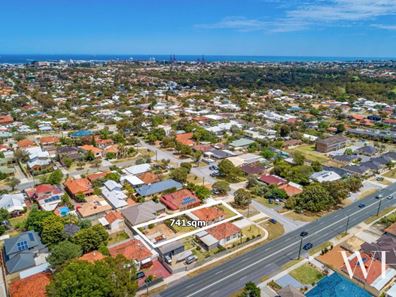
<point>147,190</point>
<point>31,237</point>
<point>143,212</point>
<point>20,262</point>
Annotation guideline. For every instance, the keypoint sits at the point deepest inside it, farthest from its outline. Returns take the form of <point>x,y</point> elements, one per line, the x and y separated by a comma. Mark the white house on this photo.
<point>325,176</point>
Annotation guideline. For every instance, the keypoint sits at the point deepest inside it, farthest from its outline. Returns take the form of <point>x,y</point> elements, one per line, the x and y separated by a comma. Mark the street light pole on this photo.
<point>347,225</point>
<point>379,207</point>
<point>299,250</point>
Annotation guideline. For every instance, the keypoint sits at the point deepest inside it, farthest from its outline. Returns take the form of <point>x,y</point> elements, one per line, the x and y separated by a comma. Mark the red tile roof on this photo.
<point>6,119</point>
<point>92,256</point>
<point>112,216</point>
<point>91,148</point>
<point>149,177</point>
<point>181,199</point>
<point>273,180</point>
<point>132,249</point>
<point>32,286</point>
<point>43,191</point>
<point>209,214</point>
<point>223,230</point>
<point>49,140</point>
<point>185,138</point>
<point>97,175</point>
<point>24,143</point>
<point>290,190</point>
<point>373,268</point>
<point>76,186</point>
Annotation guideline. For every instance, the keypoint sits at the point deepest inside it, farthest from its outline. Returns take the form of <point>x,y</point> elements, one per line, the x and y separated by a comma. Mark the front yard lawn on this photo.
<point>307,274</point>
<point>274,230</point>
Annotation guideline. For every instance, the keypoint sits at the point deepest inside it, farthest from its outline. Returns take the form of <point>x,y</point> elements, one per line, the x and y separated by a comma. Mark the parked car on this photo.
<point>379,196</point>
<point>307,246</point>
<point>390,197</point>
<point>140,275</point>
<point>362,205</point>
<point>303,233</point>
<point>168,259</point>
<point>273,221</point>
<point>191,259</point>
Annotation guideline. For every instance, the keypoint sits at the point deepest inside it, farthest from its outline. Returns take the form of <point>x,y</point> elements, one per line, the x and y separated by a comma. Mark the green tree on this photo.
<point>52,230</point>
<point>113,277</point>
<point>62,252</point>
<point>267,153</point>
<point>222,187</point>
<point>316,166</point>
<point>91,238</point>
<point>315,198</point>
<point>250,290</point>
<point>229,171</point>
<point>55,177</point>
<point>201,191</point>
<point>275,193</point>
<point>35,219</point>
<point>180,174</point>
<point>242,198</point>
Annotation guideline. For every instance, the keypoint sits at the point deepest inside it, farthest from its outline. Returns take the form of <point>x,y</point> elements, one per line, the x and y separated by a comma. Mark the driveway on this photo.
<point>287,223</point>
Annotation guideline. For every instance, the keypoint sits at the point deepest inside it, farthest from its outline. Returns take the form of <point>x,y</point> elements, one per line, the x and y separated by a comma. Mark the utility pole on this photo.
<point>347,225</point>
<point>299,250</point>
<point>379,207</point>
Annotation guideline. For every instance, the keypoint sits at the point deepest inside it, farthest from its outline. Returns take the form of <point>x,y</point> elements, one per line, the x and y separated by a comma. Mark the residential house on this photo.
<point>171,249</point>
<point>332,143</point>
<point>245,159</point>
<point>180,200</point>
<point>142,212</point>
<point>46,195</point>
<point>253,169</point>
<point>210,215</point>
<point>324,176</point>
<point>159,187</point>
<point>272,180</point>
<point>23,251</point>
<point>148,177</point>
<point>113,221</point>
<point>241,143</point>
<point>13,203</point>
<point>39,160</point>
<point>69,152</point>
<point>185,139</point>
<point>97,152</point>
<point>133,180</point>
<point>94,207</point>
<point>80,186</point>
<point>32,286</point>
<point>220,235</point>
<point>134,249</point>
<point>291,189</point>
<point>113,193</point>
<point>137,169</point>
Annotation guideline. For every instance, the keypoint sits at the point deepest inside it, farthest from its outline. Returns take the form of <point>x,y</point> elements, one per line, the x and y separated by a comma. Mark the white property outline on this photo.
<point>209,204</point>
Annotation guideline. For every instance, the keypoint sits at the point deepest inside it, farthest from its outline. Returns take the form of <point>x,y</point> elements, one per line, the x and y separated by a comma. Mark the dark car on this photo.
<point>307,246</point>
<point>379,196</point>
<point>304,233</point>
<point>273,221</point>
<point>361,205</point>
<point>140,275</point>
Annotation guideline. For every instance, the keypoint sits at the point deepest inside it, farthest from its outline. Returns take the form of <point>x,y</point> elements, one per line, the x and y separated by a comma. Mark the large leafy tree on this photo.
<point>250,290</point>
<point>52,230</point>
<point>63,252</point>
<point>108,277</point>
<point>315,198</point>
<point>229,171</point>
<point>91,238</point>
<point>36,218</point>
<point>242,198</point>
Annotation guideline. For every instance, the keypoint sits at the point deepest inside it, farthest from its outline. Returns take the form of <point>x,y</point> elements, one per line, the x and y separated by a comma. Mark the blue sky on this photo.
<point>211,27</point>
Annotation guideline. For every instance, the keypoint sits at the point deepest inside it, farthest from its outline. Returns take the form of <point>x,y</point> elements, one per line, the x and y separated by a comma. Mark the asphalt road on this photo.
<point>251,266</point>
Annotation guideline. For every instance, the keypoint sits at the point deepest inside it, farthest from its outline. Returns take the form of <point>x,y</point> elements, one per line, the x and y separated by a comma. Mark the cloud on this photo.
<point>313,14</point>
<point>385,27</point>
<point>236,23</point>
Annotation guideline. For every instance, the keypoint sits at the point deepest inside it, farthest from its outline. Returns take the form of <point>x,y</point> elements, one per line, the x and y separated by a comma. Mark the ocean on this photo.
<point>23,59</point>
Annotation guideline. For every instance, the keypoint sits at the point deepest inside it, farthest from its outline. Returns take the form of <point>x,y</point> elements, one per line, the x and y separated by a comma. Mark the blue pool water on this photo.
<point>336,285</point>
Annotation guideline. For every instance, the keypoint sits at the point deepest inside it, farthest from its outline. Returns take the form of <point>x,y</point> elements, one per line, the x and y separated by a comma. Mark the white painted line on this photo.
<point>274,253</point>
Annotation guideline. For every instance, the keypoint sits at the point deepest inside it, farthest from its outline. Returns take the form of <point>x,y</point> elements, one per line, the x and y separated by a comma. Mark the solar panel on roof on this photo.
<point>21,246</point>
<point>187,200</point>
<point>31,236</point>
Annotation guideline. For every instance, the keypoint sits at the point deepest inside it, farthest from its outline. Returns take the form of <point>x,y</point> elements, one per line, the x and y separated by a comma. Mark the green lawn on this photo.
<point>310,154</point>
<point>266,203</point>
<point>301,217</point>
<point>307,274</point>
<point>251,231</point>
<point>274,230</point>
<point>319,248</point>
<point>228,213</point>
<point>117,237</point>
<point>391,173</point>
